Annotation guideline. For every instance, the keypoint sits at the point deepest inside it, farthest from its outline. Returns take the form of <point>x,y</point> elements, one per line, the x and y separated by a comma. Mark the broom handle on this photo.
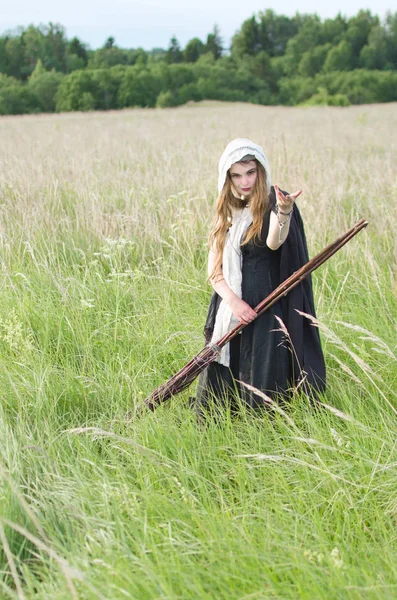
<point>186,375</point>
<point>292,281</point>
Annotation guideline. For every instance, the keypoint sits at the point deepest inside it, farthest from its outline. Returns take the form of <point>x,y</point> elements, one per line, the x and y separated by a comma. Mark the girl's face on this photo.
<point>243,176</point>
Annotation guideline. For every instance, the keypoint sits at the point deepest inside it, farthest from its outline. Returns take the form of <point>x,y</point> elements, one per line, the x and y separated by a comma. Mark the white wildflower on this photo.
<point>314,557</point>
<point>185,495</point>
<point>13,334</point>
<point>336,558</point>
<point>339,439</point>
<point>89,303</point>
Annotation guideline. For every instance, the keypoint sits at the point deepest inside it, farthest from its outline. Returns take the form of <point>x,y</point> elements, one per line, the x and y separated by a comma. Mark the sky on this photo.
<point>151,23</point>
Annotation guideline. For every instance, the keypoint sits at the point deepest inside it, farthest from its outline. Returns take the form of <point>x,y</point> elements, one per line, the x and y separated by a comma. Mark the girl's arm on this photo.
<point>241,310</point>
<point>279,221</point>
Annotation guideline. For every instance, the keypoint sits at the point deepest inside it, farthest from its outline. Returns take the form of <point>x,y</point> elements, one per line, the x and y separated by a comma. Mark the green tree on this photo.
<point>14,51</point>
<point>357,34</point>
<point>35,48</point>
<point>313,60</point>
<point>38,72</point>
<point>107,57</point>
<point>113,56</point>
<point>177,76</point>
<point>156,54</point>
<point>391,38</point>
<point>106,84</point>
<point>295,90</point>
<point>214,43</point>
<point>277,65</point>
<point>166,99</point>
<point>333,30</point>
<point>323,98</point>
<point>374,55</point>
<point>73,63</point>
<point>339,58</point>
<point>3,54</point>
<point>275,31</point>
<point>44,85</point>
<point>77,91</point>
<point>362,86</point>
<point>140,87</point>
<point>174,52</point>
<point>138,57</point>
<point>57,47</point>
<point>109,43</point>
<point>222,81</point>
<point>259,67</point>
<point>246,40</point>
<point>194,49</point>
<point>266,32</point>
<point>77,55</point>
<point>307,38</point>
<point>189,93</point>
<point>15,98</point>
<point>77,47</point>
<point>20,50</point>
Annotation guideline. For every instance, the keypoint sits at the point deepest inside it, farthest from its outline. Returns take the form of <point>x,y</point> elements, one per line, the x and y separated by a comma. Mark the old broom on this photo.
<point>181,380</point>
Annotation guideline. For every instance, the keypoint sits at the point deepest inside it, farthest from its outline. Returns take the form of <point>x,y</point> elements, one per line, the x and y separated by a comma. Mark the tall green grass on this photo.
<point>103,297</point>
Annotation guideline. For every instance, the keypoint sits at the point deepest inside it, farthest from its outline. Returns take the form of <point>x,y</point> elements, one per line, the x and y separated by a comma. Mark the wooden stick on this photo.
<point>183,378</point>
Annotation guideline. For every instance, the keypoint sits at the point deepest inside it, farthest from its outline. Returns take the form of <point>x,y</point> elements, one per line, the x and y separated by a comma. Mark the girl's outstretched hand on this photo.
<point>285,203</point>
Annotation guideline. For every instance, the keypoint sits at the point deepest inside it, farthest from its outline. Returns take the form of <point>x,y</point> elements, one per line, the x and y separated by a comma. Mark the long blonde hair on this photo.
<point>259,202</point>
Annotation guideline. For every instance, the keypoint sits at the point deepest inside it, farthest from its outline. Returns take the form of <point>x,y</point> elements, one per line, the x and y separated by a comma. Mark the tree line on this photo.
<point>273,59</point>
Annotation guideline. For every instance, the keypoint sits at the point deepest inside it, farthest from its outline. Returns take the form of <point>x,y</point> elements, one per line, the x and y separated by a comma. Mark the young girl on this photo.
<point>257,242</point>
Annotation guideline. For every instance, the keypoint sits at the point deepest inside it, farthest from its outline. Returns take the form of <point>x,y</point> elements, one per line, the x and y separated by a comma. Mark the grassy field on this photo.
<point>103,229</point>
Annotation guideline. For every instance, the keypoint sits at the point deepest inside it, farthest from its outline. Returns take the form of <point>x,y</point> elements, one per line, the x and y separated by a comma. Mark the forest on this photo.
<point>272,60</point>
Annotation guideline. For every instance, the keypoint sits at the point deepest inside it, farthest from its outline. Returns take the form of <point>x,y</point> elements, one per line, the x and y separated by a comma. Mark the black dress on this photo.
<point>281,348</point>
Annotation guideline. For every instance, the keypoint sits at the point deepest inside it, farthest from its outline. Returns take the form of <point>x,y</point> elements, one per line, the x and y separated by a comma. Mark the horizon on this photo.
<point>153,25</point>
